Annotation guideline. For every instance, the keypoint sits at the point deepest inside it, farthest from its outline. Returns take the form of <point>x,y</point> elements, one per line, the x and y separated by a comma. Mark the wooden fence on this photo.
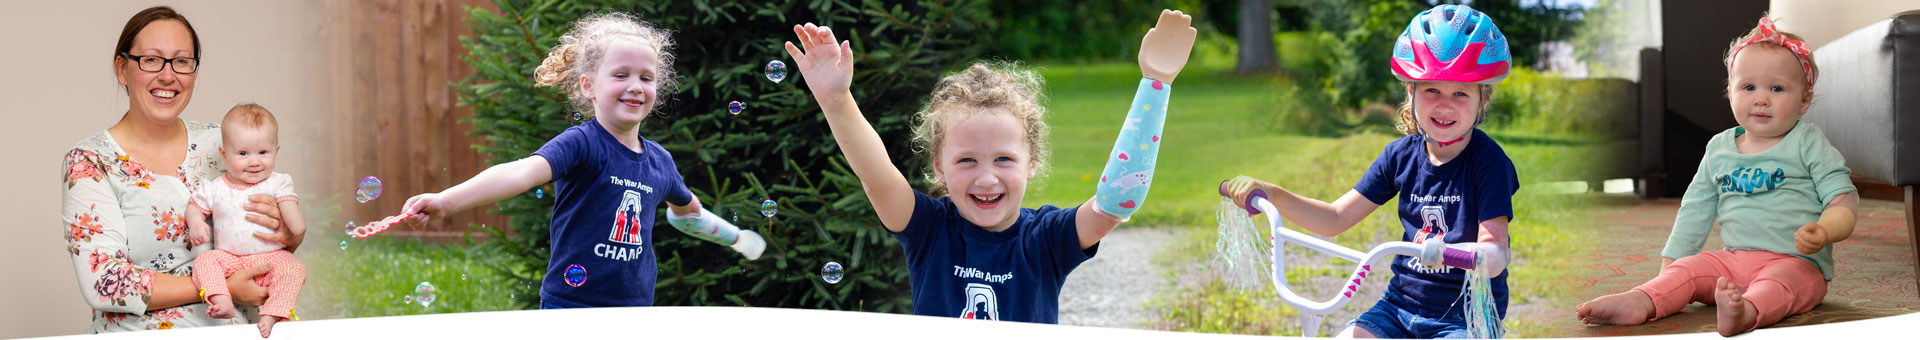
<point>395,116</point>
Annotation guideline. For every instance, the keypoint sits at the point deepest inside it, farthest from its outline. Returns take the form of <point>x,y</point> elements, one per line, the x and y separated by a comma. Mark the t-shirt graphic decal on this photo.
<point>626,224</point>
<point>981,303</point>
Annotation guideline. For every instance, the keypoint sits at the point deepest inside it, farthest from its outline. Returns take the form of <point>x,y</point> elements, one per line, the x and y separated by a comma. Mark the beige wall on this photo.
<point>58,56</point>
<point>1822,21</point>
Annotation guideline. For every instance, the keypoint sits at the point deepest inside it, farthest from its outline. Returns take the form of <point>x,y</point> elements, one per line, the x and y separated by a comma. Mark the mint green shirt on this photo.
<point>1761,199</point>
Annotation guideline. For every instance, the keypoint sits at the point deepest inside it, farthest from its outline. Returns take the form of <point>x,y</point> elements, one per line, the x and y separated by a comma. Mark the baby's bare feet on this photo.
<point>1733,312</point>
<point>266,325</point>
<point>1625,308</point>
<point>221,306</point>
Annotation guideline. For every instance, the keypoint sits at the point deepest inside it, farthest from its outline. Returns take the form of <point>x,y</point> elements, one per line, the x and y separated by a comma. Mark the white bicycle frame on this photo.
<point>1311,311</point>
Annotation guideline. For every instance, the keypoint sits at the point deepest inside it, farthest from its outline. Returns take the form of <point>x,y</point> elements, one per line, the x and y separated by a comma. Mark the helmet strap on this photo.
<point>1423,134</point>
<point>1415,108</point>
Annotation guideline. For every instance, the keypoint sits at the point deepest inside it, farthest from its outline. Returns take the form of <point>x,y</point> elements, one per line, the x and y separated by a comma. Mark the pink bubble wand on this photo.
<point>375,227</point>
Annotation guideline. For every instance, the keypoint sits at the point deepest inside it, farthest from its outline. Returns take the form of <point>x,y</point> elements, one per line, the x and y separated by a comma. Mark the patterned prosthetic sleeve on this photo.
<point>1123,185</point>
<point>708,226</point>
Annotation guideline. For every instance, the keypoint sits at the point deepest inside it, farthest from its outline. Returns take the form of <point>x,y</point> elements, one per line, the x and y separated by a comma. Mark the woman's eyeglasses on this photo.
<point>181,65</point>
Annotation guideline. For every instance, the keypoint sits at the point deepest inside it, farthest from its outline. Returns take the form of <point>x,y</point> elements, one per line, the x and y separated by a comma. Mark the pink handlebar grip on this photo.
<point>1457,258</point>
<point>1256,195</point>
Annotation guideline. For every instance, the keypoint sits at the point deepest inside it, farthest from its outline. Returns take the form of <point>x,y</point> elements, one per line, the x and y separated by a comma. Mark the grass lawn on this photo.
<point>375,277</point>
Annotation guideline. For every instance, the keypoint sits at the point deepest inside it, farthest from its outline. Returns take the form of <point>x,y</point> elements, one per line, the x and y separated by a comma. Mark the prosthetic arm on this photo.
<point>1129,171</point>
<point>1484,257</point>
<point>708,226</point>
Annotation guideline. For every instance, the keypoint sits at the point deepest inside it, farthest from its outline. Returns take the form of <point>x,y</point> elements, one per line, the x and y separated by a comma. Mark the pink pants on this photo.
<point>1778,285</point>
<point>212,268</point>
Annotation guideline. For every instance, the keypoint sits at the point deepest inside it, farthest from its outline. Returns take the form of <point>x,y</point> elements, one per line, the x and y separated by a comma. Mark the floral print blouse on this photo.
<point>125,223</point>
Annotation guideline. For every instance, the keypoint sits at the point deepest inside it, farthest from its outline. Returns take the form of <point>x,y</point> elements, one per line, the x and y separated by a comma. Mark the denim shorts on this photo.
<point>1390,320</point>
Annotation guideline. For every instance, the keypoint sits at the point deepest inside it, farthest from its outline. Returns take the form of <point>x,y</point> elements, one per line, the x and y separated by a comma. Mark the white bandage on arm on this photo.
<point>1490,259</point>
<point>708,226</point>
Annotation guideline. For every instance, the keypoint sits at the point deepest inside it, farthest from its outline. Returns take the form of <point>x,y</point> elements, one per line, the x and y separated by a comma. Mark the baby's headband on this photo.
<point>1769,33</point>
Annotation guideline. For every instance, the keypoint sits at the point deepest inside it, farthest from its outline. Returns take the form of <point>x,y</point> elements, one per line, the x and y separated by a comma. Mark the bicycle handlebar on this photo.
<point>1429,252</point>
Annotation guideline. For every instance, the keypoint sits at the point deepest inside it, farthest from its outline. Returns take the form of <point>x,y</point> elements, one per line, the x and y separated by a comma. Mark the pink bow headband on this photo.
<point>1769,33</point>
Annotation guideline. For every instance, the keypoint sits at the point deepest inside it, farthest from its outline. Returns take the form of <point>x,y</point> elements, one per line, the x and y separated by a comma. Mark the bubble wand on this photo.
<point>1238,234</point>
<point>374,228</point>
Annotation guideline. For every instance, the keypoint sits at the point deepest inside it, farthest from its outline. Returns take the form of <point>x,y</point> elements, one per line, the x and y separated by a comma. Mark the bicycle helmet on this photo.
<point>1451,43</point>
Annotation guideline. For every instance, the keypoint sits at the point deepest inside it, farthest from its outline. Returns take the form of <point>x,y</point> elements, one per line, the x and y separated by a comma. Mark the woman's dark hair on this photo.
<point>148,16</point>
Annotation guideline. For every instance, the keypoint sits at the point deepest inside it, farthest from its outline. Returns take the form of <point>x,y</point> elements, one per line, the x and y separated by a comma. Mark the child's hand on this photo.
<point>196,236</point>
<point>1165,49</point>
<point>421,208</point>
<point>1810,239</point>
<point>1240,187</point>
<point>828,69</point>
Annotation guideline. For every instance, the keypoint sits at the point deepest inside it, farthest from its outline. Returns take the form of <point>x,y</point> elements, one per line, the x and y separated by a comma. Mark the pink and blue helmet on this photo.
<point>1451,43</point>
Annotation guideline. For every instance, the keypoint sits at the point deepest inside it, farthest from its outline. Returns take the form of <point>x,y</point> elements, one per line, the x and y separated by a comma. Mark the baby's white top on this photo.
<point>226,202</point>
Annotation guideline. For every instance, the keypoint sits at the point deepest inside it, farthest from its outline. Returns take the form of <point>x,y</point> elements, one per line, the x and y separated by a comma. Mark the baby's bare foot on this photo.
<point>266,325</point>
<point>1625,308</point>
<point>1733,312</point>
<point>221,307</point>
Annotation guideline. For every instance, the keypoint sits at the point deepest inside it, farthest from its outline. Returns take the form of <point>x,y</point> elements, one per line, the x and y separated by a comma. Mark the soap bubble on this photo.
<point>425,293</point>
<point>768,208</point>
<point>832,272</point>
<point>538,193</point>
<point>578,118</point>
<point>576,275</point>
<point>369,189</point>
<point>343,245</point>
<point>776,71</point>
<point>736,107</point>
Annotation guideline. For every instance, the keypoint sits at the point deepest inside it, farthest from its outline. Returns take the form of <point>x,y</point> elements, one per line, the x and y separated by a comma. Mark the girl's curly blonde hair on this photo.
<point>581,49</point>
<point>981,88</point>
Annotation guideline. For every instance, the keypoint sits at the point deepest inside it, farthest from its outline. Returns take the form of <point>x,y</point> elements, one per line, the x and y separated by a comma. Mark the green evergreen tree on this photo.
<point>779,148</point>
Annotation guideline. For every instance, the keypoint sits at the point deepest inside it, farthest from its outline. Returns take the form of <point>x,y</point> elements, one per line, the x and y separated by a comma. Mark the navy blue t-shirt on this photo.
<point>1447,201</point>
<point>961,271</point>
<point>605,196</point>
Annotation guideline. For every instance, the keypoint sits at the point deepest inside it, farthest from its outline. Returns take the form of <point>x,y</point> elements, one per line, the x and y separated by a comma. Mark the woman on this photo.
<point>126,189</point>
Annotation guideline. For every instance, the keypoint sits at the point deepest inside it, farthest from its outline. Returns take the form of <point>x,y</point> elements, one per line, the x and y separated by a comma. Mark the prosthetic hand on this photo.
<point>1129,171</point>
<point>1835,224</point>
<point>708,226</point>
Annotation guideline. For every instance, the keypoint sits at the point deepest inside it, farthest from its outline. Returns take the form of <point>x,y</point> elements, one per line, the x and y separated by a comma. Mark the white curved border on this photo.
<point>780,323</point>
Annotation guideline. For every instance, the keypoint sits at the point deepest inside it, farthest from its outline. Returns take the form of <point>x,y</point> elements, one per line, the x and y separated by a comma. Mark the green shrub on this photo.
<point>1358,70</point>
<point>1078,31</point>
<point>779,148</point>
<point>1547,104</point>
